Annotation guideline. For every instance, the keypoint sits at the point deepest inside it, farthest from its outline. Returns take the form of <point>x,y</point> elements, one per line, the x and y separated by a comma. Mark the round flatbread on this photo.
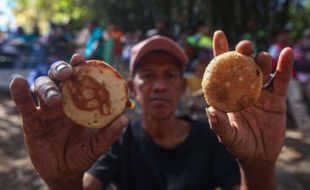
<point>232,81</point>
<point>95,94</point>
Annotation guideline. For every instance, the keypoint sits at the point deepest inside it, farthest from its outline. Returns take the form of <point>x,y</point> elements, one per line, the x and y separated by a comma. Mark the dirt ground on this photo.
<point>17,172</point>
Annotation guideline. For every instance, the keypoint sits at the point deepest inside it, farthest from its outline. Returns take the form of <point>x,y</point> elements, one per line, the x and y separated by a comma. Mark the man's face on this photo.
<point>158,84</point>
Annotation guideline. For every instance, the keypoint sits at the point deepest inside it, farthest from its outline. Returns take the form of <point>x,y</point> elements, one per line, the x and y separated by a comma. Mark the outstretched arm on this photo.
<point>256,135</point>
<point>60,150</point>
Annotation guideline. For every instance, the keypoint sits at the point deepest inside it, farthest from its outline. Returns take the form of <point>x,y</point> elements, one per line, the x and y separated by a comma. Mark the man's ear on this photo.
<point>131,88</point>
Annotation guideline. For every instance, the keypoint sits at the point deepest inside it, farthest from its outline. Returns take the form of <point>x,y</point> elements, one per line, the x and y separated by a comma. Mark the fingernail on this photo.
<point>209,112</point>
<point>212,117</point>
<point>51,93</point>
<point>61,67</point>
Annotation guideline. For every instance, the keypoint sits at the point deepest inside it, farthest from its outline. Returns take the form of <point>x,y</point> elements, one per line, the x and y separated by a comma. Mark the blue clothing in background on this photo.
<point>94,44</point>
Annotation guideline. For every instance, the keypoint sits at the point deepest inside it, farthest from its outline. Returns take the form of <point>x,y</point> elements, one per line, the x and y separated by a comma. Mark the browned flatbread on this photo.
<point>95,95</point>
<point>232,82</point>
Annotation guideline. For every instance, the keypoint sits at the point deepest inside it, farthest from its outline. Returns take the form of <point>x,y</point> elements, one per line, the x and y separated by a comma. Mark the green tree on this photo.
<point>231,16</point>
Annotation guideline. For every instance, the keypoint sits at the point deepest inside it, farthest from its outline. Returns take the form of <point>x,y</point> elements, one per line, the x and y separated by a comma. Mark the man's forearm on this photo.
<point>257,176</point>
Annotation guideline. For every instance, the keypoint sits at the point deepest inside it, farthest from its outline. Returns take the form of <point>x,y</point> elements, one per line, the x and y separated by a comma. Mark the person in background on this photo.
<point>194,80</point>
<point>302,64</point>
<point>255,34</point>
<point>94,48</point>
<point>201,38</point>
<point>114,40</point>
<point>194,100</point>
<point>188,48</point>
<point>37,49</point>
<point>201,43</point>
<point>131,38</point>
<point>58,43</point>
<point>81,40</point>
<point>160,150</point>
<point>69,37</point>
<point>34,35</point>
<point>302,56</point>
<point>160,28</point>
<point>18,35</point>
<point>280,42</point>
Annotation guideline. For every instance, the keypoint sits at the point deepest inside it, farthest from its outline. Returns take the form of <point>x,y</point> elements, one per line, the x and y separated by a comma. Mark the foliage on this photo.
<point>299,19</point>
<point>54,10</point>
<point>233,17</point>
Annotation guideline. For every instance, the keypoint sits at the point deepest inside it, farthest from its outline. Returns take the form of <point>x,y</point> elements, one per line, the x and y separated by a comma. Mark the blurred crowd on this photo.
<point>113,45</point>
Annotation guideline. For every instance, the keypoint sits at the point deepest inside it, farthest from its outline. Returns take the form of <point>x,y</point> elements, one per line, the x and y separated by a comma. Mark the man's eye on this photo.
<point>172,75</point>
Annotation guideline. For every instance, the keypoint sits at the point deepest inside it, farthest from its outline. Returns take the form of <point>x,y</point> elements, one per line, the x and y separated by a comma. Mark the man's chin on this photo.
<point>162,106</point>
<point>160,115</point>
<point>160,112</point>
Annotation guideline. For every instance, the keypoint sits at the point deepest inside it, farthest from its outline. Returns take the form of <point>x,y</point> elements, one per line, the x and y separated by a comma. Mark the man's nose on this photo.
<point>160,85</point>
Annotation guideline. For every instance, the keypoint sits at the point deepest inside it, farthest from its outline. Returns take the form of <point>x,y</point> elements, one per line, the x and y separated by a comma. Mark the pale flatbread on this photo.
<point>95,95</point>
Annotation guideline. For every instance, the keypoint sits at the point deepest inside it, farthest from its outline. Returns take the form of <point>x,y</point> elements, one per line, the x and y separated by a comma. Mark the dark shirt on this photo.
<point>135,162</point>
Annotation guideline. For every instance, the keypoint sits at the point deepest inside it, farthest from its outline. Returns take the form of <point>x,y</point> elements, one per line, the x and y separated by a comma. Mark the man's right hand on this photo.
<point>60,150</point>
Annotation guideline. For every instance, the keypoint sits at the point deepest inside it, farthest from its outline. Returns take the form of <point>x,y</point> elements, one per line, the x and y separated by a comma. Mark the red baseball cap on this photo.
<point>154,43</point>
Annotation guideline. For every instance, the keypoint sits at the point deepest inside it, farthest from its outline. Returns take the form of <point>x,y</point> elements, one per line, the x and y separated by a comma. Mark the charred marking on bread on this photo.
<point>88,94</point>
<point>95,94</point>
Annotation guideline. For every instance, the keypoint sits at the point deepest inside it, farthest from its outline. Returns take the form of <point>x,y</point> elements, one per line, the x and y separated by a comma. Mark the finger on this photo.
<point>21,96</point>
<point>220,125</point>
<point>108,135</point>
<point>77,59</point>
<point>283,71</point>
<point>47,91</point>
<point>60,70</point>
<point>220,43</point>
<point>263,59</point>
<point>245,47</point>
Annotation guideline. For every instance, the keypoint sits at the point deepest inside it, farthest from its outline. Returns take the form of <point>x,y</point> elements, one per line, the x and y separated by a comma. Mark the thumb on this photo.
<point>108,135</point>
<point>220,124</point>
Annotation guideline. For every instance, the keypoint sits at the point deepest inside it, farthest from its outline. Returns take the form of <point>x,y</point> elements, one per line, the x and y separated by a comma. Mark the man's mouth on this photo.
<point>159,99</point>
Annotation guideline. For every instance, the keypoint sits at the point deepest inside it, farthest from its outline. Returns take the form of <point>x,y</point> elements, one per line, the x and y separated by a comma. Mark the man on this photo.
<point>61,151</point>
<point>162,151</point>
